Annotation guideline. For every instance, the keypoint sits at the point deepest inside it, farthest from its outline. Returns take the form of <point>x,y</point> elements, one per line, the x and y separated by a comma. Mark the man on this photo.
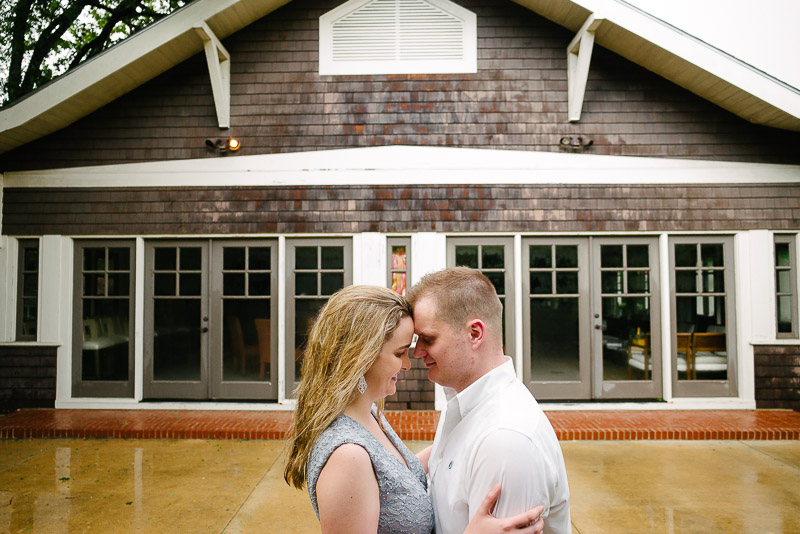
<point>493,430</point>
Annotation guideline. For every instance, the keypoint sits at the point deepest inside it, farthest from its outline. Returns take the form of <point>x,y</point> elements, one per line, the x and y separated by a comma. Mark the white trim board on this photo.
<point>408,165</point>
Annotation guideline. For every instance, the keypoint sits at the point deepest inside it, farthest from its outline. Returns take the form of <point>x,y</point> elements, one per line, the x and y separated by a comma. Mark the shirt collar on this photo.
<point>472,395</point>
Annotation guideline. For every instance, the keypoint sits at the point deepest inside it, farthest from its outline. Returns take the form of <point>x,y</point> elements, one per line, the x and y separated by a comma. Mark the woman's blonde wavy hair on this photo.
<point>344,342</point>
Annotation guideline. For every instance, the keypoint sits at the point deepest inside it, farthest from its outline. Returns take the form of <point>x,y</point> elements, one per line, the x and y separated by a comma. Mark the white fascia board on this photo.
<point>407,165</point>
<point>704,56</point>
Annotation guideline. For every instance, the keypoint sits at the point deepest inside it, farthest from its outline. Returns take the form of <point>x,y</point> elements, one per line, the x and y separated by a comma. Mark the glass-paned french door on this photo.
<point>494,257</point>
<point>590,318</point>
<point>209,328</point>
<point>102,363</point>
<point>315,270</point>
<point>703,311</point>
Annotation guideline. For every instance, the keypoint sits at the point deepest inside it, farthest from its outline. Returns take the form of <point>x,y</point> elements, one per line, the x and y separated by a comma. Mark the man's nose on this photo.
<point>416,352</point>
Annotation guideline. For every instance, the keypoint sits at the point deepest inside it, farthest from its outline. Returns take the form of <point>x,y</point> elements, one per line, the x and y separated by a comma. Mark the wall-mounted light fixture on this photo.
<point>223,145</point>
<point>575,143</point>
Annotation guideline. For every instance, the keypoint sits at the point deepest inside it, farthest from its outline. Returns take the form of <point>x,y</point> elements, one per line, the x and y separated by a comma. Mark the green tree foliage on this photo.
<point>41,39</point>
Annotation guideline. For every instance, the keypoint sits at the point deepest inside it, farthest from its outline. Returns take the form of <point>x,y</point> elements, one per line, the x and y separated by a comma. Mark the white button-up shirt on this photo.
<point>494,431</point>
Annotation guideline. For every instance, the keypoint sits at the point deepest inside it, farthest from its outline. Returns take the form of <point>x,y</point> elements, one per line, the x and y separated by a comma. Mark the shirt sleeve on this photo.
<point>513,460</point>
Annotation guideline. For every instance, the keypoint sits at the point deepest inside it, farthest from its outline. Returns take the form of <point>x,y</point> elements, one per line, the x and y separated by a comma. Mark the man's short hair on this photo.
<point>461,294</point>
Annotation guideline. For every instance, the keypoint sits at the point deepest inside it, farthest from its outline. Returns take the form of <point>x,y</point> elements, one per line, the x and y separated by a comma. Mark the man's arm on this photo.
<point>511,459</point>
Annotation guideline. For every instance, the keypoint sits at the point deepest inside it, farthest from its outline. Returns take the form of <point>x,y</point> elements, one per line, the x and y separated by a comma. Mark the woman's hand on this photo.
<point>483,522</point>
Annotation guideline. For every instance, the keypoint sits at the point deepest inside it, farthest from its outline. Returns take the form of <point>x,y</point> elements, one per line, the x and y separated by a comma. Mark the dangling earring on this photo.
<point>362,384</point>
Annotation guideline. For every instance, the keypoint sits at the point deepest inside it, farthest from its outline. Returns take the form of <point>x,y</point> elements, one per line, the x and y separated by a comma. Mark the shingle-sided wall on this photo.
<point>777,372</point>
<point>516,100</point>
<point>27,377</point>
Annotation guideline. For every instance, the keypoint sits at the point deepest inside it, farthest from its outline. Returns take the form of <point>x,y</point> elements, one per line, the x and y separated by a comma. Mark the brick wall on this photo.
<point>27,377</point>
<point>517,100</point>
<point>414,390</point>
<point>777,372</point>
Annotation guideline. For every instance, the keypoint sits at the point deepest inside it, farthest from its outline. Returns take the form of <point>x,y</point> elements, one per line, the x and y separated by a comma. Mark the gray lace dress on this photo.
<point>405,505</point>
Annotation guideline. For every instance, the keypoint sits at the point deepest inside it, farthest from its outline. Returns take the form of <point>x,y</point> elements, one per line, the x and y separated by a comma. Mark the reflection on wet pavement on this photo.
<point>155,486</point>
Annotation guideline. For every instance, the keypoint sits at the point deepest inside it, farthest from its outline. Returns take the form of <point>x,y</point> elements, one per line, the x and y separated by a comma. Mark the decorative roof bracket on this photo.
<point>219,70</point>
<point>579,55</point>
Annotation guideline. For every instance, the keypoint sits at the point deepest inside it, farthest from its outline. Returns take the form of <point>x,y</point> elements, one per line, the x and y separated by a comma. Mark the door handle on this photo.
<point>598,326</point>
<point>204,329</point>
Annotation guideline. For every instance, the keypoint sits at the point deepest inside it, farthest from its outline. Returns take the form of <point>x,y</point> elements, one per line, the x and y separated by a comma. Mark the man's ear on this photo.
<point>477,332</point>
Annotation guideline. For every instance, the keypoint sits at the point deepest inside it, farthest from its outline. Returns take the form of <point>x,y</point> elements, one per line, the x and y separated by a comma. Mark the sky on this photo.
<point>763,33</point>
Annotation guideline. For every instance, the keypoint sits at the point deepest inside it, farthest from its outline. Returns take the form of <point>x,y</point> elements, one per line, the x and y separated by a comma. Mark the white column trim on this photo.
<point>518,296</point>
<point>9,252</point>
<point>138,321</point>
<point>743,282</point>
<point>666,317</point>
<point>282,320</point>
<point>219,70</point>
<point>579,56</point>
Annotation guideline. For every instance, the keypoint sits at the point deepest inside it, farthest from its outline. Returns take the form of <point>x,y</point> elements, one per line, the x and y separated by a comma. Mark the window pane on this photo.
<point>177,344</point>
<point>713,281</point>
<point>784,281</point>
<point>94,259</point>
<point>686,281</point>
<point>190,284</point>
<point>332,282</point>
<point>165,259</point>
<point>399,258</point>
<point>305,313</point>
<point>259,259</point>
<point>555,353</point>
<point>499,282</point>
<point>638,281</point>
<point>566,283</point>
<point>638,256</point>
<point>233,258</point>
<point>712,255</point>
<point>492,257</point>
<point>119,259</point>
<point>119,284</point>
<point>164,284</point>
<point>305,257</point>
<point>105,349</point>
<point>94,285</point>
<point>30,284</point>
<point>541,283</point>
<point>785,314</point>
<point>305,284</point>
<point>467,256</point>
<point>258,284</point>
<point>612,282</point>
<point>29,315</point>
<point>246,340</point>
<point>626,339</point>
<point>191,259</point>
<point>611,256</point>
<point>233,284</point>
<point>782,255</point>
<point>685,255</point>
<point>333,257</point>
<point>566,256</point>
<point>540,256</point>
<point>399,283</point>
<point>31,258</point>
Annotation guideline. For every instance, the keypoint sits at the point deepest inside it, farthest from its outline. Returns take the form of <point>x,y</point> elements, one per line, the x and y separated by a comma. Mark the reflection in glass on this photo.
<point>540,256</point>
<point>685,255</point>
<point>492,257</point>
<point>785,314</point>
<point>246,340</point>
<point>176,339</point>
<point>305,284</point>
<point>702,321</point>
<point>332,257</point>
<point>30,261</point>
<point>233,258</point>
<point>626,338</point>
<point>612,282</point>
<point>638,281</point>
<point>638,256</point>
<point>712,255</point>
<point>305,312</point>
<point>105,340</point>
<point>566,283</point>
<point>94,285</point>
<point>399,269</point>
<point>611,256</point>
<point>467,256</point>
<point>555,354</point>
<point>782,255</point>
<point>305,257</point>
<point>119,259</point>
<point>119,284</point>
<point>686,281</point>
<point>713,281</point>
<point>566,256</point>
<point>541,283</point>
<point>94,259</point>
<point>784,281</point>
<point>165,259</point>
<point>258,258</point>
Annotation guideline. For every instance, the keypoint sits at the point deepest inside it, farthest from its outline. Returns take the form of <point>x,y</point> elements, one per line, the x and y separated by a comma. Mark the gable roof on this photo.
<point>623,29</point>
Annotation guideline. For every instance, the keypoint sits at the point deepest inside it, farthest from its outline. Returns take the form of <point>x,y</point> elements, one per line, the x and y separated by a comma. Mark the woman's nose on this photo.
<point>405,362</point>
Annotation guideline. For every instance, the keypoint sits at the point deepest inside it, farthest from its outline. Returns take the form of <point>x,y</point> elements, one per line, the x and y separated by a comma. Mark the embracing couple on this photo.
<point>493,436</point>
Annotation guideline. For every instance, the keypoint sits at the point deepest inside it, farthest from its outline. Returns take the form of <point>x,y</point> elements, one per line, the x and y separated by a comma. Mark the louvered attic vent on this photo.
<point>397,37</point>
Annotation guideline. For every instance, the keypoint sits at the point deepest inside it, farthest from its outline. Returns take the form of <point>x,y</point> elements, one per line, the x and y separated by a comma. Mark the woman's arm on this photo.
<point>484,522</point>
<point>423,456</point>
<point>347,493</point>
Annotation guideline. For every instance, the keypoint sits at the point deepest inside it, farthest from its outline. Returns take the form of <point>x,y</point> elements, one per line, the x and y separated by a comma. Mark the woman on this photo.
<point>360,475</point>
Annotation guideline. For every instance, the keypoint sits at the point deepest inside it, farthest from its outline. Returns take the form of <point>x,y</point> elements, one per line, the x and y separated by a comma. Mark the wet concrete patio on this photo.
<point>236,486</point>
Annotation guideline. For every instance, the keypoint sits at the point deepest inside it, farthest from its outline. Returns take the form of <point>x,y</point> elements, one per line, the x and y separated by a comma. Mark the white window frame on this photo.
<point>467,64</point>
